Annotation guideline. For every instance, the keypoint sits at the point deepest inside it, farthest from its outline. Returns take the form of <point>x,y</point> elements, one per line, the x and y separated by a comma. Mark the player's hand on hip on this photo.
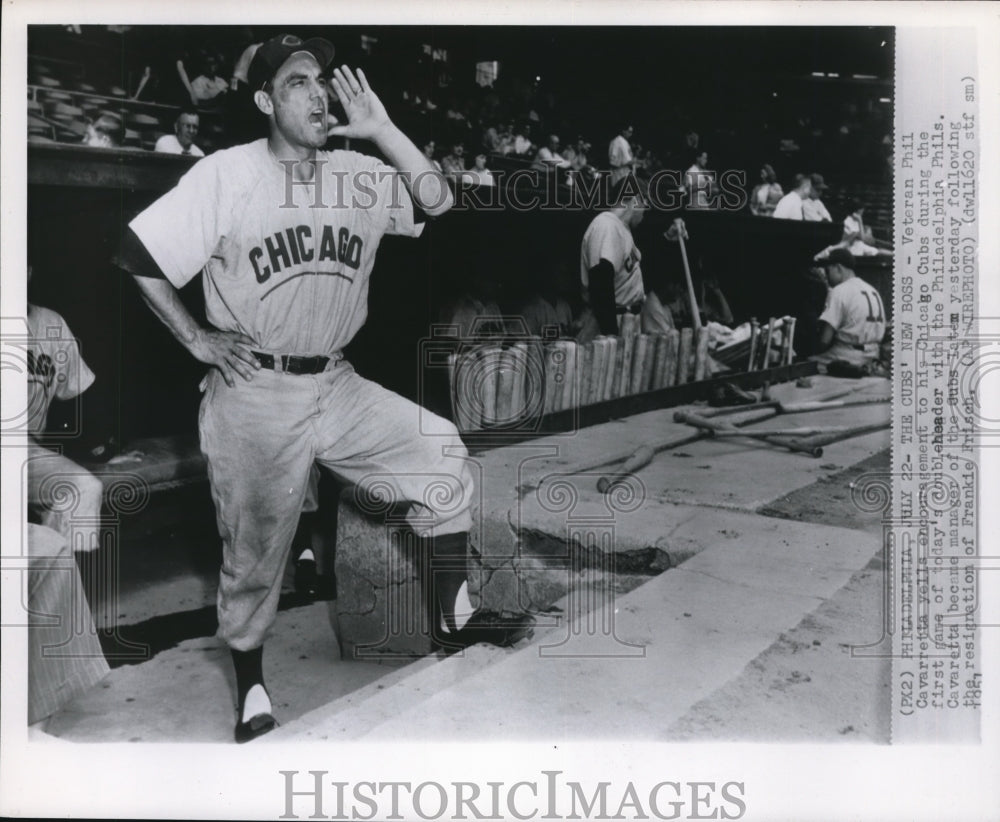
<point>228,351</point>
<point>365,113</point>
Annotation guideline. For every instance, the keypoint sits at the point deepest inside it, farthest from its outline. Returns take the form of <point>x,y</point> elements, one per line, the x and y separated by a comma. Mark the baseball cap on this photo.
<point>839,256</point>
<point>817,182</point>
<point>272,55</point>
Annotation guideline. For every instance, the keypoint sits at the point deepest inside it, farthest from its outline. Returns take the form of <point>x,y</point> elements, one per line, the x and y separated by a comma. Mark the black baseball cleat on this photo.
<point>488,627</point>
<point>257,725</point>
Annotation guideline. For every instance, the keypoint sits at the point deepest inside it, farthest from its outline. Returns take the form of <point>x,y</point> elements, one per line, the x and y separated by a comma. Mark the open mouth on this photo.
<point>318,117</point>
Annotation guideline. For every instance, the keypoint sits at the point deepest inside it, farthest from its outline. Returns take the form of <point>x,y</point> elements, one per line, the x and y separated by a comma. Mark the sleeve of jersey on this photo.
<point>603,245</point>
<point>75,376</point>
<point>182,228</point>
<point>834,312</point>
<point>393,207</point>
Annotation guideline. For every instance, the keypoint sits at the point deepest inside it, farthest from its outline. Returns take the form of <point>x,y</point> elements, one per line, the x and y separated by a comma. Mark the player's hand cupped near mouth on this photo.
<point>228,351</point>
<point>365,113</point>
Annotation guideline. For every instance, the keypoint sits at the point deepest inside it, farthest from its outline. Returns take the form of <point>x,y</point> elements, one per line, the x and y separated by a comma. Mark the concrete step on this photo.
<point>629,667</point>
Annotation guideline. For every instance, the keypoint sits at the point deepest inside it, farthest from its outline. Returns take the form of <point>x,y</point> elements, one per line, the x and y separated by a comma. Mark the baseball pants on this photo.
<point>67,496</point>
<point>64,654</point>
<point>261,439</point>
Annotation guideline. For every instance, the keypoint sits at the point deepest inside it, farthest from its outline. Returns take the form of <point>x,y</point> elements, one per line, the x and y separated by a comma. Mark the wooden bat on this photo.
<point>648,363</point>
<point>754,337</point>
<point>624,375</point>
<point>486,379</point>
<point>659,357</point>
<point>585,364</point>
<point>615,378</point>
<point>836,435</point>
<point>695,315</point>
<point>767,343</point>
<point>670,366</point>
<point>789,338</point>
<point>814,431</point>
<point>504,386</point>
<point>701,354</point>
<point>684,356</point>
<point>461,406</point>
<point>639,347</point>
<point>641,457</point>
<point>570,385</point>
<point>612,367</point>
<point>715,425</point>
<point>519,364</point>
<point>819,405</point>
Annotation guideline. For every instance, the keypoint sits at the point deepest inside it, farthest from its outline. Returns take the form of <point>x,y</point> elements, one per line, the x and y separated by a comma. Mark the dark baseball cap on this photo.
<point>272,55</point>
<point>839,256</point>
<point>818,182</point>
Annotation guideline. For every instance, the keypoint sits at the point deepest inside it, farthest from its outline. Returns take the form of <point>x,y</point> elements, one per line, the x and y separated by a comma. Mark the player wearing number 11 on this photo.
<point>853,323</point>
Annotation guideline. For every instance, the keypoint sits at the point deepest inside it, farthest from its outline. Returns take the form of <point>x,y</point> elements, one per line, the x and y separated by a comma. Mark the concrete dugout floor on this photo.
<point>747,638</point>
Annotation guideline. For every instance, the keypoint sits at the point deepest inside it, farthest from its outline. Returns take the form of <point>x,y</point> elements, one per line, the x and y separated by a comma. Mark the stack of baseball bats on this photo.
<point>500,385</point>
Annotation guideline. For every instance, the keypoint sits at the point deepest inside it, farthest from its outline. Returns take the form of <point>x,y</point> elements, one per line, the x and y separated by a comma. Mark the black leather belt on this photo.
<point>292,363</point>
<point>635,308</point>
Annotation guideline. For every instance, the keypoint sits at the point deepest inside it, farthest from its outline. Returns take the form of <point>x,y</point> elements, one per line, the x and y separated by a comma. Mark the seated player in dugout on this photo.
<point>286,289</point>
<point>853,323</point>
<point>610,261</point>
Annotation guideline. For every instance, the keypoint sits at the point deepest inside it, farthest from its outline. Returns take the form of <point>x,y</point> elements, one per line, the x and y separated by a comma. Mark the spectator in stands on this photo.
<point>429,148</point>
<point>548,157</point>
<point>858,237</point>
<point>479,174</point>
<point>767,194</point>
<point>506,145</point>
<point>208,84</point>
<point>620,156</point>
<point>182,140</point>
<point>852,325</point>
<point>454,164</point>
<point>789,207</point>
<point>699,182</point>
<point>813,209</point>
<point>104,132</point>
<point>522,141</point>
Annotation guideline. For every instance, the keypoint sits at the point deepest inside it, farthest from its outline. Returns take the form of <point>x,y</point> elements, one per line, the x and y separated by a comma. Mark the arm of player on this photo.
<point>826,332</point>
<point>601,287</point>
<point>368,120</point>
<point>226,350</point>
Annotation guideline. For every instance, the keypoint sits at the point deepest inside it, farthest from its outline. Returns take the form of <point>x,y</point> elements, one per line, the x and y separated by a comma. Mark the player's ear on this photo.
<point>263,101</point>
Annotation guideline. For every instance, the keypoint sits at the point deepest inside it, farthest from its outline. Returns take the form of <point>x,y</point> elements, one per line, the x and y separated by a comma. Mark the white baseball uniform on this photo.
<point>854,310</point>
<point>288,265</point>
<point>57,371</point>
<point>608,238</point>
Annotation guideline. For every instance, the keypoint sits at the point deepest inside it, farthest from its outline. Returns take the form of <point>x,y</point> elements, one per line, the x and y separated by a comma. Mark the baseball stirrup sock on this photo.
<point>252,699</point>
<point>449,553</point>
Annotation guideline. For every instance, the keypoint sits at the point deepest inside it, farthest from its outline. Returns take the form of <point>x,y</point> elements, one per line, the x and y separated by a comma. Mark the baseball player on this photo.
<point>287,235</point>
<point>57,371</point>
<point>853,323</point>
<point>609,259</point>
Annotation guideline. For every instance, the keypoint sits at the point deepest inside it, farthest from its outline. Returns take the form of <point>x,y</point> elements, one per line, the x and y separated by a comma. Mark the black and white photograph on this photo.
<point>444,413</point>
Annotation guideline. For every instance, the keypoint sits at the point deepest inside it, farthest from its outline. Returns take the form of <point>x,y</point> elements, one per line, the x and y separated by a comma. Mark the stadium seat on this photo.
<point>117,91</point>
<point>144,120</point>
<point>39,138</point>
<point>51,82</point>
